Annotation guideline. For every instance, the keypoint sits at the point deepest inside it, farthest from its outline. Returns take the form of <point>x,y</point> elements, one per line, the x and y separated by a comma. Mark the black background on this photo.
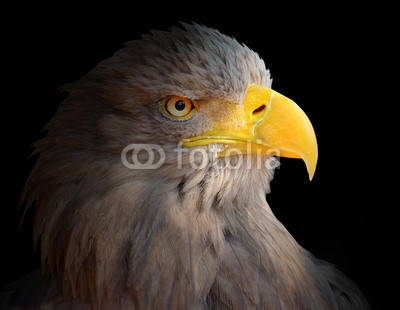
<point>323,60</point>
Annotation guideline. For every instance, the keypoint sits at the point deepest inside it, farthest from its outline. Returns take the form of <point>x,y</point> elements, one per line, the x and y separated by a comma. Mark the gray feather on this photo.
<point>169,238</point>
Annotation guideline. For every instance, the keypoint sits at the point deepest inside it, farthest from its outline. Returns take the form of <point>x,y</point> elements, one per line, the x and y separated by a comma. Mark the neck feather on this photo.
<point>107,231</point>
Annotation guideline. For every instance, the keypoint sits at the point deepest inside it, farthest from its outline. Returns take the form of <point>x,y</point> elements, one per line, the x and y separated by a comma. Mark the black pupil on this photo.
<point>180,105</point>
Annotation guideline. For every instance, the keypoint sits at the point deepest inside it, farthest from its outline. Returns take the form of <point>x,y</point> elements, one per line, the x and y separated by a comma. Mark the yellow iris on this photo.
<point>178,108</point>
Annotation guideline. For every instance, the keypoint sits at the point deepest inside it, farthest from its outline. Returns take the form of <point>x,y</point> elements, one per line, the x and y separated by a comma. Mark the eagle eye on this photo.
<point>177,108</point>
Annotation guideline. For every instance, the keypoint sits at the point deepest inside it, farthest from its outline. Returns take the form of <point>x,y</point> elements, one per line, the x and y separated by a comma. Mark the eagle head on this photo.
<point>150,182</point>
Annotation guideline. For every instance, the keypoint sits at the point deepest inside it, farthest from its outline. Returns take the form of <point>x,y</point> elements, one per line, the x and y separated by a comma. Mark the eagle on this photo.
<point>150,187</point>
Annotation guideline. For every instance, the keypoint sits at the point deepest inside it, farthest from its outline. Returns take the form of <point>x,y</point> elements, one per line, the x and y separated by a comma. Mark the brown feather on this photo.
<point>111,237</point>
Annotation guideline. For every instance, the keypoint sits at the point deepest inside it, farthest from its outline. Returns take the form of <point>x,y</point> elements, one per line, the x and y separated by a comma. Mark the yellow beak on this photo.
<point>266,123</point>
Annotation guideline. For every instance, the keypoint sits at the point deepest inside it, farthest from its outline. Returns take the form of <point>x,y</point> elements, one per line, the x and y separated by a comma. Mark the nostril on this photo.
<point>259,109</point>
